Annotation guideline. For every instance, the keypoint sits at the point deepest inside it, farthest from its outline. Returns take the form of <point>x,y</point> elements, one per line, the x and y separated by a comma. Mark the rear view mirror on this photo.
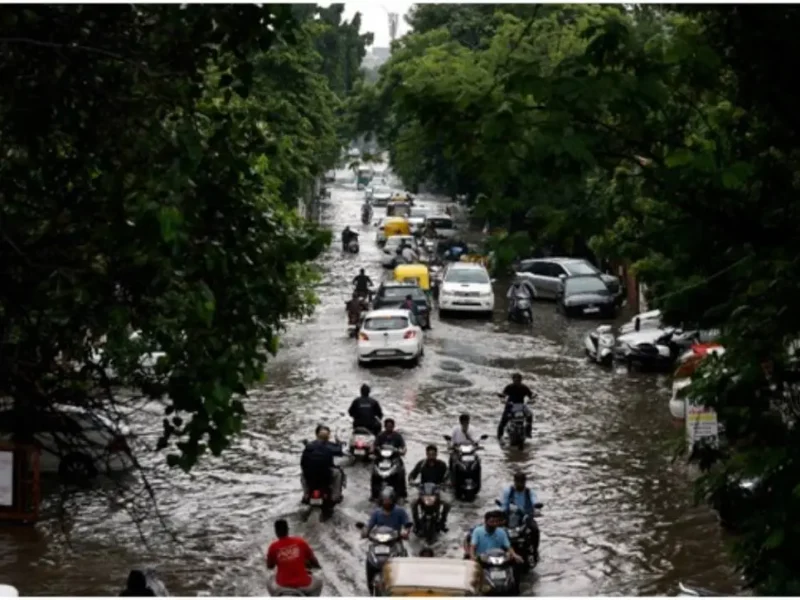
<point>447,437</point>
<point>538,505</point>
<point>562,277</point>
<point>485,436</point>
<point>498,503</point>
<point>494,280</point>
<point>359,525</point>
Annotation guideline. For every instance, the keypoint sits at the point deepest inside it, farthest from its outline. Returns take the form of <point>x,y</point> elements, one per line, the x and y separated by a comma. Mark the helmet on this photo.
<point>388,494</point>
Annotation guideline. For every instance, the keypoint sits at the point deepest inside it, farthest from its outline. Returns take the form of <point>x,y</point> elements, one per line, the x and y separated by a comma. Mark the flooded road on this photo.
<point>618,516</point>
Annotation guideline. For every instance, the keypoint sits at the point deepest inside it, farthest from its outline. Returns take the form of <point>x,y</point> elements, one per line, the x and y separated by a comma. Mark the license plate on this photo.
<point>468,483</point>
<point>382,549</point>
<point>316,502</point>
<point>385,352</point>
<point>591,310</point>
<point>359,452</point>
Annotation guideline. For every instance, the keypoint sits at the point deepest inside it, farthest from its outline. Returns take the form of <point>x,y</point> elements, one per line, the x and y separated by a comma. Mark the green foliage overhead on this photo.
<point>660,136</point>
<point>153,155</point>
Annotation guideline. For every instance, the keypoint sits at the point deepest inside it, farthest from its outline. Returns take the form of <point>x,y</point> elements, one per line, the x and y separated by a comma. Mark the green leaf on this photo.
<point>775,539</point>
<point>736,176</point>
<point>678,158</point>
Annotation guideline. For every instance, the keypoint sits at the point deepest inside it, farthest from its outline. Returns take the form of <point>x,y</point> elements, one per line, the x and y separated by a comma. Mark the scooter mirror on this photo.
<point>538,505</point>
<point>485,436</point>
<point>359,525</point>
<point>448,438</point>
<point>498,503</point>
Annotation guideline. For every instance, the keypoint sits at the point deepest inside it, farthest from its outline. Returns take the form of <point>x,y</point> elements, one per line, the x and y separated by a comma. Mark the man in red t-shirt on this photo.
<point>292,555</point>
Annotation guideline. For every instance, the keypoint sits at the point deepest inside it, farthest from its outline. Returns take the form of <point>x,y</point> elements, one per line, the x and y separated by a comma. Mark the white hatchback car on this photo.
<point>76,443</point>
<point>390,334</point>
<point>466,287</point>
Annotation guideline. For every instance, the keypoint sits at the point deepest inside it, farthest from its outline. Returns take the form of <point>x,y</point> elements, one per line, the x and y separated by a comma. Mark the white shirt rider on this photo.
<point>461,437</point>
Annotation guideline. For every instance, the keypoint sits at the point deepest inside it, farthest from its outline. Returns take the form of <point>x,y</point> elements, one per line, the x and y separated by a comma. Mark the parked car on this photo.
<point>653,348</point>
<point>586,295</point>
<point>545,274</point>
<point>75,443</point>
<point>466,287</point>
<point>444,226</point>
<point>390,334</point>
<point>391,294</point>
<point>417,219</point>
<point>390,249</point>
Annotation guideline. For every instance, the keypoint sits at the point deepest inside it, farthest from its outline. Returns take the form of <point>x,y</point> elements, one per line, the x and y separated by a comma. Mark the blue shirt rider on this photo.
<point>490,536</point>
<point>389,515</point>
<point>525,500</point>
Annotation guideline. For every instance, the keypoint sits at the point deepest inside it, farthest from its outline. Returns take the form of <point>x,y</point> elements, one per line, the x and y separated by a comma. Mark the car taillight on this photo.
<point>410,334</point>
<point>363,336</point>
<point>316,494</point>
<point>119,444</point>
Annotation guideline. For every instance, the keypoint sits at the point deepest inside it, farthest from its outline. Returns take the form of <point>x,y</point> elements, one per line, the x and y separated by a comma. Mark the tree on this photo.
<point>147,151</point>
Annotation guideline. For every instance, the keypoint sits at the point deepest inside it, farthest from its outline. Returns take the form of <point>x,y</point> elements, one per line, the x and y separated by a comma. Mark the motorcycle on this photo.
<point>319,495</point>
<point>352,246</point>
<point>429,511</point>
<point>599,345</point>
<point>281,591</point>
<point>465,469</point>
<point>521,311</point>
<point>498,573</point>
<point>361,442</point>
<point>515,429</point>
<point>384,543</point>
<point>388,466</point>
<point>354,319</point>
<point>519,527</point>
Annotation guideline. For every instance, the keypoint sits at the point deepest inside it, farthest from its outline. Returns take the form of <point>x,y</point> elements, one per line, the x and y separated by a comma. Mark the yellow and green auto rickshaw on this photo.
<point>416,576</point>
<point>416,273</point>
<point>396,226</point>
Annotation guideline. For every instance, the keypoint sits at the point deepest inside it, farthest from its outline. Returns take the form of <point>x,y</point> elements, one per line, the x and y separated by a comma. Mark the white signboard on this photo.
<point>6,479</point>
<point>701,424</point>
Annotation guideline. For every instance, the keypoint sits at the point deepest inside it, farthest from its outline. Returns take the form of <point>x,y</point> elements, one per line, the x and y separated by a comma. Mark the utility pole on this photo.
<point>393,20</point>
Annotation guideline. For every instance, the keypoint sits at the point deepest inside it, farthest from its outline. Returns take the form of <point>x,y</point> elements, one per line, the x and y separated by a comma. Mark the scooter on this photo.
<point>280,591</point>
<point>430,508</point>
<point>388,467</point>
<point>516,426</point>
<point>521,311</point>
<point>498,573</point>
<point>384,543</point>
<point>465,468</point>
<point>361,443</point>
<point>319,496</point>
<point>352,246</point>
<point>599,345</point>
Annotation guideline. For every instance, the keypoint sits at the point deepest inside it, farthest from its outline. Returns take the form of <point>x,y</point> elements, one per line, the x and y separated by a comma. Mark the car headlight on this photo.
<point>486,294</point>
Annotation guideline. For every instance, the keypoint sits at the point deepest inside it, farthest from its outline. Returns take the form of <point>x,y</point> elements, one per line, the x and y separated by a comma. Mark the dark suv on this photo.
<point>391,294</point>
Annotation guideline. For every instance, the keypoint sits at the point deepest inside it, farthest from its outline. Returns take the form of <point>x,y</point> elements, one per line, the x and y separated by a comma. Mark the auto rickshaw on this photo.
<point>414,273</point>
<point>424,576</point>
<point>396,226</point>
<point>398,208</point>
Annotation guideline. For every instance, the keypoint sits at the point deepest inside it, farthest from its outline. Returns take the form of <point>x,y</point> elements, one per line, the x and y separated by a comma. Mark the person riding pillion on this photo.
<point>366,411</point>
<point>515,393</point>
<point>290,556</point>
<point>317,464</point>
<point>390,437</point>
<point>524,499</point>
<point>431,470</point>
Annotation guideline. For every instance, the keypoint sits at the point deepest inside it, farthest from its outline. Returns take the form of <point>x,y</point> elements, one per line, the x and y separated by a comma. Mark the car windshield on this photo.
<point>584,285</point>
<point>418,214</point>
<point>385,323</point>
<point>580,267</point>
<point>441,223</point>
<point>399,293</point>
<point>467,276</point>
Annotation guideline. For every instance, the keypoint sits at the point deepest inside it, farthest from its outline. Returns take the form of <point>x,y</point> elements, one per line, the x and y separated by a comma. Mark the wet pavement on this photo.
<point>618,516</point>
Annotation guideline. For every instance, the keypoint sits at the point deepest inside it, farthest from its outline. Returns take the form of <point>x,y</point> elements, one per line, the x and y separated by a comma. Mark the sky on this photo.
<point>374,17</point>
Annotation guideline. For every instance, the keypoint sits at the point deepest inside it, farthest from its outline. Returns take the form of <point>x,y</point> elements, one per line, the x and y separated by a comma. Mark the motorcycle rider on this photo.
<point>406,253</point>
<point>515,393</point>
<point>289,555</point>
<point>517,291</point>
<point>354,306</point>
<point>366,211</point>
<point>137,585</point>
<point>489,536</point>
<point>463,434</point>
<point>390,437</point>
<point>523,498</point>
<point>362,283</point>
<point>389,515</point>
<point>318,467</point>
<point>347,235</point>
<point>431,470</point>
<point>366,411</point>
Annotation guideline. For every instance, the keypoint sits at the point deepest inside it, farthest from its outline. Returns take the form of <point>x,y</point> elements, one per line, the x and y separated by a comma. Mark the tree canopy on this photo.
<point>660,136</point>
<point>153,157</point>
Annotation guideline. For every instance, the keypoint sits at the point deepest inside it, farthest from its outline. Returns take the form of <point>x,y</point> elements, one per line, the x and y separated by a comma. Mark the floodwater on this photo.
<point>618,516</point>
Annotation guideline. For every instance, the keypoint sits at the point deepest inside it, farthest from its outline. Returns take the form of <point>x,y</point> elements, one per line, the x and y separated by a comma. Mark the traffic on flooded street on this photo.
<point>617,515</point>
